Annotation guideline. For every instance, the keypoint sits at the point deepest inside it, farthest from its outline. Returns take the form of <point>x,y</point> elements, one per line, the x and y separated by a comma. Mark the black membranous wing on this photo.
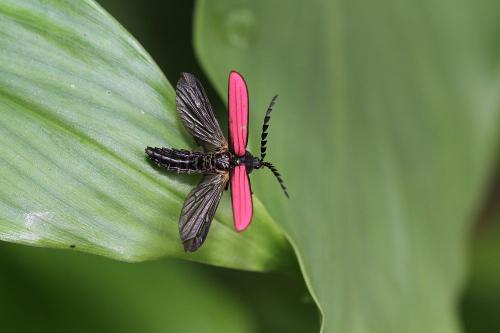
<point>199,209</point>
<point>197,114</point>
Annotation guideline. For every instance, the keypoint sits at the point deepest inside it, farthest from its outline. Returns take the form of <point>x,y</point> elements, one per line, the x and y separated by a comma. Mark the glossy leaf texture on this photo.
<point>79,101</point>
<point>384,130</point>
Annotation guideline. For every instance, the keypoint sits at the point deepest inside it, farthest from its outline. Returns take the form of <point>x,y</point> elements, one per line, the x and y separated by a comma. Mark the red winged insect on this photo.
<point>219,162</point>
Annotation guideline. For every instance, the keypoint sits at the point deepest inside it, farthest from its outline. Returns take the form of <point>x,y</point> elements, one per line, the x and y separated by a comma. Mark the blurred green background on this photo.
<point>50,290</point>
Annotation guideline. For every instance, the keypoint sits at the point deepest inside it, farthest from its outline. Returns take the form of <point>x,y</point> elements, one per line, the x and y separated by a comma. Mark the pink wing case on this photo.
<point>238,113</point>
<point>241,193</point>
<point>241,196</point>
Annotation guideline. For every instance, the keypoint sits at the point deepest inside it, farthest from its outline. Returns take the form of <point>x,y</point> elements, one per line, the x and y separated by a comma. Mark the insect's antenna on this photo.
<point>278,176</point>
<point>263,140</point>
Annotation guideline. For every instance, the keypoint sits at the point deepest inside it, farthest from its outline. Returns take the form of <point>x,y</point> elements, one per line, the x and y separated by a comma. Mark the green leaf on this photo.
<point>482,296</point>
<point>113,296</point>
<point>79,101</point>
<point>384,131</point>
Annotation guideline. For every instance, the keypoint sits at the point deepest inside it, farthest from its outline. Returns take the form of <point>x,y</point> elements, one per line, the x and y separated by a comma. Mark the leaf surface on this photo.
<point>79,101</point>
<point>384,130</point>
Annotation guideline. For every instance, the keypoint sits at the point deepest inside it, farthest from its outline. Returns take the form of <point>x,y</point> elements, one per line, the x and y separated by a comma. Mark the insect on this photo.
<point>220,163</point>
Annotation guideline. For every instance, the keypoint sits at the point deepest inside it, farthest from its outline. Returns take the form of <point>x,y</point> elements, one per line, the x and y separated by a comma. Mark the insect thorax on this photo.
<point>248,160</point>
<point>211,162</point>
<point>221,161</point>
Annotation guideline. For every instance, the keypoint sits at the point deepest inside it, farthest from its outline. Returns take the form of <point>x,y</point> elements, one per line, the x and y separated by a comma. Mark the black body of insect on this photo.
<point>215,161</point>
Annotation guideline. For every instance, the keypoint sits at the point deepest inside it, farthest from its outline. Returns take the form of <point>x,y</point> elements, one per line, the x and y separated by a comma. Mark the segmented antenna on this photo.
<point>263,140</point>
<point>278,176</point>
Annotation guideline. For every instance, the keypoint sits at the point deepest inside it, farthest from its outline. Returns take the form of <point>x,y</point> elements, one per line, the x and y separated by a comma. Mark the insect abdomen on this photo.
<point>184,161</point>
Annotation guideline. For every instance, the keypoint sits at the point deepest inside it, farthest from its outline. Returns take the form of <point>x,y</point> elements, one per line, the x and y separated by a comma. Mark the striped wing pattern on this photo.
<point>197,115</point>
<point>199,210</point>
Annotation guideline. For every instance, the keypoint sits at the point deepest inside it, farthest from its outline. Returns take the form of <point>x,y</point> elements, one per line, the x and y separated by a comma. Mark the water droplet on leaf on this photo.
<point>239,26</point>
